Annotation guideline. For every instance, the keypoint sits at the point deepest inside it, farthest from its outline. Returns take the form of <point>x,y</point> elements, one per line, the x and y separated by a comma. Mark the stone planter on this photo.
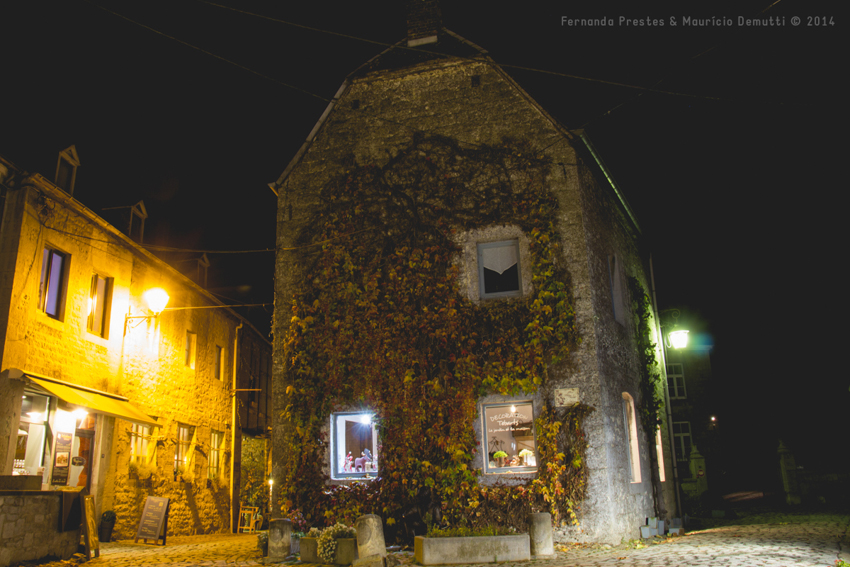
<point>346,551</point>
<point>457,550</point>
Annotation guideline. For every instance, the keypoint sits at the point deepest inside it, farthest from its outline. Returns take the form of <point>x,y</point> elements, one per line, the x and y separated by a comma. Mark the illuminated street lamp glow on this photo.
<point>679,339</point>
<point>366,419</point>
<point>156,299</point>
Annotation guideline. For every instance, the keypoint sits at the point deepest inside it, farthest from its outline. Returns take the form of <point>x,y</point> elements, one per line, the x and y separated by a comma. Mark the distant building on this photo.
<point>97,392</point>
<point>695,422</point>
<point>436,151</point>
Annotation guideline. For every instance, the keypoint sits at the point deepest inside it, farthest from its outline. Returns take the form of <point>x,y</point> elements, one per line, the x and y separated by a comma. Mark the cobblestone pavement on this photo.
<point>815,540</point>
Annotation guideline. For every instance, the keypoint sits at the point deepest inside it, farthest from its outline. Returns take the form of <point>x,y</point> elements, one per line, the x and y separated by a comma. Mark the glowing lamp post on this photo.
<point>678,338</point>
<point>156,299</point>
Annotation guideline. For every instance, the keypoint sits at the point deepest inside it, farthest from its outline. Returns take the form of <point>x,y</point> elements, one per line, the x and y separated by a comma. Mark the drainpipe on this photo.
<point>234,489</point>
<point>666,392</point>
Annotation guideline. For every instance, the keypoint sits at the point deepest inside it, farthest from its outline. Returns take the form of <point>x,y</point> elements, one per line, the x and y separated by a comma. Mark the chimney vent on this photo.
<point>424,21</point>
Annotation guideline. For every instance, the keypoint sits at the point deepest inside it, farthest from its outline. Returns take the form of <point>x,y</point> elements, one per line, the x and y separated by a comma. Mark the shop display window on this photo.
<point>354,445</point>
<point>29,451</point>
<point>509,437</point>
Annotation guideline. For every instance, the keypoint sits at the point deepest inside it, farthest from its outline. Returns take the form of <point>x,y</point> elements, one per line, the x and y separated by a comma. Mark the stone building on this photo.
<point>455,147</point>
<point>98,391</point>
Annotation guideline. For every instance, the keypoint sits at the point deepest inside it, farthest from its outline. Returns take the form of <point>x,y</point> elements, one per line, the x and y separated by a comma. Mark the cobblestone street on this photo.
<point>771,540</point>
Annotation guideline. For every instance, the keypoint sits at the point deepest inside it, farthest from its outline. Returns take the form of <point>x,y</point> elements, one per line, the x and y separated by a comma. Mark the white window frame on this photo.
<point>632,443</point>
<point>52,286</point>
<point>183,447</point>
<point>504,417</point>
<point>140,437</point>
<point>676,381</point>
<point>99,306</point>
<point>214,462</point>
<point>337,446</point>
<point>684,439</point>
<point>481,247</point>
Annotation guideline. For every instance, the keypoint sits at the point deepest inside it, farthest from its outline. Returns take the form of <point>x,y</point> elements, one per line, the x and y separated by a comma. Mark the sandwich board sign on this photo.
<point>154,521</point>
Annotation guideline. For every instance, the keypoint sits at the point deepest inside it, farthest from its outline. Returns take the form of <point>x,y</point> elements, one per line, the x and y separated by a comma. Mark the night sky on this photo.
<point>733,170</point>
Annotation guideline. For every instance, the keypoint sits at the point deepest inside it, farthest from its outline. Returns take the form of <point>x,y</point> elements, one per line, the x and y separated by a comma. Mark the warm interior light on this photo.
<point>79,414</point>
<point>35,415</point>
<point>156,299</point>
<point>271,482</point>
<point>679,339</point>
<point>513,409</point>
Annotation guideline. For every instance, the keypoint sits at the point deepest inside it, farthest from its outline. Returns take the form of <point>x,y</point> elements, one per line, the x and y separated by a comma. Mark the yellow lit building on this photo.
<point>101,391</point>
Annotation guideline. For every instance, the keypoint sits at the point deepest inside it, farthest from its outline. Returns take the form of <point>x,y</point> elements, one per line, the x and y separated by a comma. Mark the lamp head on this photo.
<point>156,299</point>
<point>679,338</point>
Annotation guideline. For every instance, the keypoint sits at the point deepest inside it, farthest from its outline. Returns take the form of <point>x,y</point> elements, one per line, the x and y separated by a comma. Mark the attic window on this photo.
<point>66,169</point>
<point>498,269</point>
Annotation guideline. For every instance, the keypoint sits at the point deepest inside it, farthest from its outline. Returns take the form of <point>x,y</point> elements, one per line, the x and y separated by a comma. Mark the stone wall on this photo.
<point>29,528</point>
<point>142,359</point>
<point>473,102</point>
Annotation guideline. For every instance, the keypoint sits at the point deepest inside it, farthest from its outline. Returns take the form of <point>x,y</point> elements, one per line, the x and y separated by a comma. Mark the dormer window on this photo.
<point>66,169</point>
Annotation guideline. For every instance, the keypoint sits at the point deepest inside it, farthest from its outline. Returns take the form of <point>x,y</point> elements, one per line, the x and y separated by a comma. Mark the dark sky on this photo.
<point>734,178</point>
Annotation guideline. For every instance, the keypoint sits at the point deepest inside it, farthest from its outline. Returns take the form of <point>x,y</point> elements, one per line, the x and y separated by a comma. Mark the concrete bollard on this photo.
<point>540,533</point>
<point>280,539</point>
<point>370,536</point>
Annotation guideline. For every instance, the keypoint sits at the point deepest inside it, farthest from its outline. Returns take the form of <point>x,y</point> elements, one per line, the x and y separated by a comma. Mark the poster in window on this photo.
<point>62,459</point>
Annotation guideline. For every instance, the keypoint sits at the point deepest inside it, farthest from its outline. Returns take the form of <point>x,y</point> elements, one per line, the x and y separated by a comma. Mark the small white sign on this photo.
<point>566,397</point>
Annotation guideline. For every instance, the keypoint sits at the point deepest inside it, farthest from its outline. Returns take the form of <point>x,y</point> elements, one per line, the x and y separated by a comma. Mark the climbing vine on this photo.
<point>651,400</point>
<point>381,323</point>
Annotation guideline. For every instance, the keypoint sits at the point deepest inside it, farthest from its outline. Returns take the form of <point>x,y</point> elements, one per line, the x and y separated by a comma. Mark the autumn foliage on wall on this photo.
<point>380,324</point>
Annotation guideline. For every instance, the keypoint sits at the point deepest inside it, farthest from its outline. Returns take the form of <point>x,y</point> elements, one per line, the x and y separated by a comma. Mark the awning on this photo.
<point>97,402</point>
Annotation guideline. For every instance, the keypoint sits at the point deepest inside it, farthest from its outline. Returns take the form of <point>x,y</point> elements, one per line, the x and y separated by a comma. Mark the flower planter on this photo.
<point>346,551</point>
<point>483,549</point>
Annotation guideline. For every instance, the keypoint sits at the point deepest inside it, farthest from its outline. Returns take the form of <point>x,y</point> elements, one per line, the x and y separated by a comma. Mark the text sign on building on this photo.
<point>566,397</point>
<point>154,521</point>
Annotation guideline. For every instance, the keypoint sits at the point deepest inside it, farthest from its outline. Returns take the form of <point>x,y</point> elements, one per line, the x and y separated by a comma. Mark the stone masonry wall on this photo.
<point>29,528</point>
<point>143,360</point>
<point>473,103</point>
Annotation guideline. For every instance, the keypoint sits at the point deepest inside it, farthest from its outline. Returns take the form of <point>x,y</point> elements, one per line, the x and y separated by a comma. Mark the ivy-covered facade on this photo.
<point>457,340</point>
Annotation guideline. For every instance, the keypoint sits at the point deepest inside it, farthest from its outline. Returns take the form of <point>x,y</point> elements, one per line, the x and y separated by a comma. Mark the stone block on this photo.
<point>346,551</point>
<point>370,561</point>
<point>460,550</point>
<point>370,536</point>
<point>540,534</point>
<point>280,538</point>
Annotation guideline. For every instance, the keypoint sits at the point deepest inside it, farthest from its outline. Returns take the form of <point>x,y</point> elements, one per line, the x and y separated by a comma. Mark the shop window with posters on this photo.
<point>354,445</point>
<point>509,437</point>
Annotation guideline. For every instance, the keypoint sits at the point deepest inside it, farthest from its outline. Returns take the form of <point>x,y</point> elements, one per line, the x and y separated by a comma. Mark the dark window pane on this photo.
<point>506,281</point>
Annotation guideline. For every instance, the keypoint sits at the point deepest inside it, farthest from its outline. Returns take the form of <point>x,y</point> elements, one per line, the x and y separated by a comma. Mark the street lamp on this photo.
<point>156,299</point>
<point>677,338</point>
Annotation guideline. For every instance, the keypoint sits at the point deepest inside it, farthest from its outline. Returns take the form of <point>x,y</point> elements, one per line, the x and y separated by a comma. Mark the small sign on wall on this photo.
<point>566,397</point>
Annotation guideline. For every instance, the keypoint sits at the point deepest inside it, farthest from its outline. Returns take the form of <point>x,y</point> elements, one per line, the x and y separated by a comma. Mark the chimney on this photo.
<point>424,21</point>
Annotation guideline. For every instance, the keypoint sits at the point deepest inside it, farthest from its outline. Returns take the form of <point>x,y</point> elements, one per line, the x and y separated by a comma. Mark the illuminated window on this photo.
<point>101,289</point>
<point>354,445</point>
<point>219,362</point>
<point>630,424</point>
<point>498,269</point>
<point>682,436</point>
<point>140,436</point>
<point>509,436</point>
<point>181,450</point>
<point>676,382</point>
<point>32,432</point>
<point>52,289</point>
<point>216,440</point>
<point>615,280</point>
<point>191,349</point>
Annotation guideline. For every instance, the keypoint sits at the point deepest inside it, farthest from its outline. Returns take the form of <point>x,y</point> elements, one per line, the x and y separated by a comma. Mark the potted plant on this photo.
<point>107,523</point>
<point>500,457</point>
<point>525,454</point>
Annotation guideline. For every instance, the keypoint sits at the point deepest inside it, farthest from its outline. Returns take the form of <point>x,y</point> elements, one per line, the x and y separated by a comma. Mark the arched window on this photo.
<point>630,424</point>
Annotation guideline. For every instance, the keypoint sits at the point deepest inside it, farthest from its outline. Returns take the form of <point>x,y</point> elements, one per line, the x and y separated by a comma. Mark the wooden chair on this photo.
<point>248,519</point>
